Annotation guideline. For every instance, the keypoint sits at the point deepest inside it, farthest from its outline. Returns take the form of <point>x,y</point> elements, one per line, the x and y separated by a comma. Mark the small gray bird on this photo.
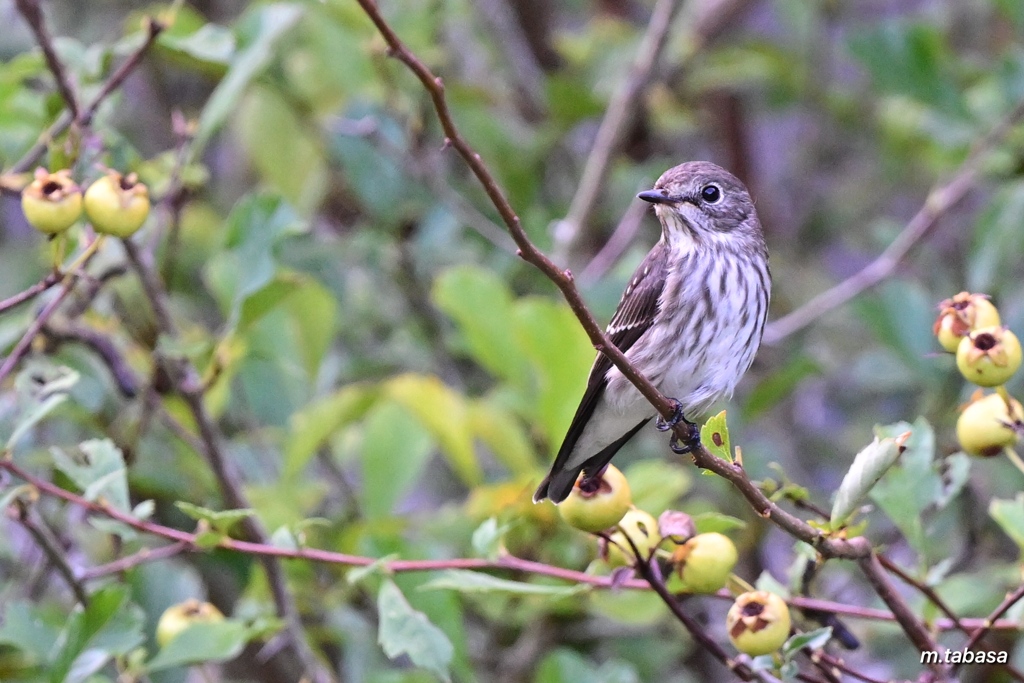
<point>690,319</point>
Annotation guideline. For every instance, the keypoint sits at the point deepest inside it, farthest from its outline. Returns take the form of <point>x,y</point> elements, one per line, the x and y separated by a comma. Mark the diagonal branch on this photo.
<point>84,116</point>
<point>33,14</point>
<point>621,112</point>
<point>941,199</point>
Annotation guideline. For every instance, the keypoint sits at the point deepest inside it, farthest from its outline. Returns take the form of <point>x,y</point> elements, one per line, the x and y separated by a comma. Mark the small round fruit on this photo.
<point>758,623</point>
<point>961,314</point>
<point>52,202</point>
<point>642,529</point>
<point>177,618</point>
<point>986,426</point>
<point>704,562</point>
<point>117,204</point>
<point>599,504</point>
<point>989,356</point>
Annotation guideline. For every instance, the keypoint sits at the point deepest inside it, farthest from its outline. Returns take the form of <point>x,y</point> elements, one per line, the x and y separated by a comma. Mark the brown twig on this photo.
<point>1008,602</point>
<point>191,389</point>
<point>617,244</point>
<point>25,343</point>
<point>28,294</point>
<point>33,14</point>
<point>84,116</point>
<point>129,561</point>
<point>44,538</point>
<point>941,199</point>
<point>102,346</point>
<point>621,111</point>
<point>643,566</point>
<point>914,629</point>
<point>873,614</point>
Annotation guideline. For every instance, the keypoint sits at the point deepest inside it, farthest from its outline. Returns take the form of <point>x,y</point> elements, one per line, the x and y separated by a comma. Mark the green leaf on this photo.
<point>272,22</point>
<point>204,642</point>
<point>487,538</point>
<point>282,147</point>
<point>657,485</point>
<point>503,433</point>
<point>815,640</point>
<point>389,437</point>
<point>248,263</point>
<point>222,521</point>
<point>25,626</point>
<point>110,626</point>
<point>715,437</point>
<point>310,428</point>
<point>465,581</point>
<point>868,467</point>
<point>211,43</point>
<point>406,631</point>
<point>561,355</point>
<point>99,472</point>
<point>912,59</point>
<point>706,522</point>
<point>915,484</point>
<point>445,415</point>
<point>41,389</point>
<point>481,304</point>
<point>778,385</point>
<point>1009,515</point>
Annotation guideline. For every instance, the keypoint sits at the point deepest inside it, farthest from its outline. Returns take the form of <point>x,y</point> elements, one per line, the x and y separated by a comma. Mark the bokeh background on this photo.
<point>379,360</point>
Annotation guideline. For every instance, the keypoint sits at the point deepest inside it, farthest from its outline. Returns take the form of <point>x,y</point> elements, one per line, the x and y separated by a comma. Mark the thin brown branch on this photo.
<point>33,14</point>
<point>45,539</point>
<point>911,625</point>
<point>615,247</point>
<point>25,343</point>
<point>134,560</point>
<point>941,199</point>
<point>84,116</point>
<point>873,614</point>
<point>102,346</point>
<point>620,113</point>
<point>30,293</point>
<point>643,566</point>
<point>1008,602</point>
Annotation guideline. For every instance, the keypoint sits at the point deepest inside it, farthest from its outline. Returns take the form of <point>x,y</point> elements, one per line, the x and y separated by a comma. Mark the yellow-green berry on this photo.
<point>177,618</point>
<point>989,356</point>
<point>597,503</point>
<point>961,314</point>
<point>987,425</point>
<point>758,623</point>
<point>704,562</point>
<point>117,204</point>
<point>642,529</point>
<point>52,202</point>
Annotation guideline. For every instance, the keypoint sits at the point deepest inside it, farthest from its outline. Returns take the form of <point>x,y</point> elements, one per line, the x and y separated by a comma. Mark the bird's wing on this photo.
<point>633,317</point>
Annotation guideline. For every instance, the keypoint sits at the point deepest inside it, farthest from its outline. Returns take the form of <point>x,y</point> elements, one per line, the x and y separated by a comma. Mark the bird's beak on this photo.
<point>655,197</point>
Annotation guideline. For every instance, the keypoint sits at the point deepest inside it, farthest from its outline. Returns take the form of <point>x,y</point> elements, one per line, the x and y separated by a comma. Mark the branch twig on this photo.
<point>941,199</point>
<point>621,111</point>
<point>43,537</point>
<point>33,14</point>
<point>84,116</point>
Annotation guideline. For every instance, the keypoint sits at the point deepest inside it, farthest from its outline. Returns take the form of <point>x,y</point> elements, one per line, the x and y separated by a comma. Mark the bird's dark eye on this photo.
<point>710,193</point>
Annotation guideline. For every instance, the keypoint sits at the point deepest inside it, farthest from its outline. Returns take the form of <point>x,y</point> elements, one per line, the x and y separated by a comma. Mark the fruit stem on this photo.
<point>1014,458</point>
<point>86,254</point>
<point>57,247</point>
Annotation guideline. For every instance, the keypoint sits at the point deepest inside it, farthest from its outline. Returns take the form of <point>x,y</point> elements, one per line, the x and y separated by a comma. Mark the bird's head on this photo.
<point>701,203</point>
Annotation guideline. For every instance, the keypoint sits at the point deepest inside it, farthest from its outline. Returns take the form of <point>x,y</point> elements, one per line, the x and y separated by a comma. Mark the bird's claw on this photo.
<point>664,425</point>
<point>682,446</point>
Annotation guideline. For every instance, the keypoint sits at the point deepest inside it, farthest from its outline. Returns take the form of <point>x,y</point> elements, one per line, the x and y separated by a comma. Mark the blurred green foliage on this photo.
<point>391,380</point>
